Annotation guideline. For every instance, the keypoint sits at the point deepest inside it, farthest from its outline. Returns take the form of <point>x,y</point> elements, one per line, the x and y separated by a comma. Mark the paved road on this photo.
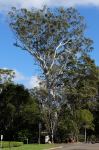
<point>79,147</point>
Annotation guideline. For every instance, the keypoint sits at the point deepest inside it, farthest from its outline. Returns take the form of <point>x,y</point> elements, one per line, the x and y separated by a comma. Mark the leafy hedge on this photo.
<point>11,144</point>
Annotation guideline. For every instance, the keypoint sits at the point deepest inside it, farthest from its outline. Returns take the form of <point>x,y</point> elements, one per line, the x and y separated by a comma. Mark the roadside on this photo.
<point>76,146</point>
<point>54,148</point>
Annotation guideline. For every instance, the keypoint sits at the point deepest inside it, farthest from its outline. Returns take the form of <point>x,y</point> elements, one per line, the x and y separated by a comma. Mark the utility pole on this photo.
<point>39,139</point>
<point>85,135</point>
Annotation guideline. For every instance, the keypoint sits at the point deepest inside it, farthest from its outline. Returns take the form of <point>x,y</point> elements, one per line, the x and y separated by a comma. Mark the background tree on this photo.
<point>85,120</point>
<point>6,76</point>
<point>19,114</point>
<point>95,110</point>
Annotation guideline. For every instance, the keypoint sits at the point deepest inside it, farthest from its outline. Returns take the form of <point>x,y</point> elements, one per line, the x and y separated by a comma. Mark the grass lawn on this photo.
<point>32,147</point>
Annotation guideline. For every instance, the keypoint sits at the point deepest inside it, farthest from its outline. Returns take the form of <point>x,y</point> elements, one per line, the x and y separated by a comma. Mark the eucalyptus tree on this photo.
<point>55,38</point>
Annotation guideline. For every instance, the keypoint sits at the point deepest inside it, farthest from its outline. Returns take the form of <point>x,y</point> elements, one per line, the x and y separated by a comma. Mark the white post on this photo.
<point>27,140</point>
<point>1,140</point>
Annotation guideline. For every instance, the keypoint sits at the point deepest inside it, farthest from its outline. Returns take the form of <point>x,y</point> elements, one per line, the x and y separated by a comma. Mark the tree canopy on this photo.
<point>19,113</point>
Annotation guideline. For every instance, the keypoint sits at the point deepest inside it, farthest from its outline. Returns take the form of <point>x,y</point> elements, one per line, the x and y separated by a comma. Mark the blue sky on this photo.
<point>20,61</point>
<point>91,15</point>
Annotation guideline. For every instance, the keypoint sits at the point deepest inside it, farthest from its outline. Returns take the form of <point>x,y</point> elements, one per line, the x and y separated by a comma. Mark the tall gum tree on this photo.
<point>55,38</point>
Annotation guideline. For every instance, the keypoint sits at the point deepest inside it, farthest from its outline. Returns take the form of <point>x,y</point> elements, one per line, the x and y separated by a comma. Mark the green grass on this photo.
<point>32,147</point>
<point>6,144</point>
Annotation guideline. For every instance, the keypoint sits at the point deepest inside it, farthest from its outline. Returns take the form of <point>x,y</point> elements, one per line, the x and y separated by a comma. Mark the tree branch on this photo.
<point>60,45</point>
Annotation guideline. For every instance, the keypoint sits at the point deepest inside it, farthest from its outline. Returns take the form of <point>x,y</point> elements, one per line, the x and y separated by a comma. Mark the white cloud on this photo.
<point>33,82</point>
<point>6,4</point>
<point>19,76</point>
<point>29,82</point>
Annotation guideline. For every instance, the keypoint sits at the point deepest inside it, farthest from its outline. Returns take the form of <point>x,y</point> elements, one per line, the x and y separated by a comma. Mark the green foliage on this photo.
<point>93,138</point>
<point>85,118</point>
<point>24,134</point>
<point>6,76</point>
<point>18,111</point>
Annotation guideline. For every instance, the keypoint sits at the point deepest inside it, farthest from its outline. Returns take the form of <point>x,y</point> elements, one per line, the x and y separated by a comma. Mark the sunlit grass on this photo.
<point>32,147</point>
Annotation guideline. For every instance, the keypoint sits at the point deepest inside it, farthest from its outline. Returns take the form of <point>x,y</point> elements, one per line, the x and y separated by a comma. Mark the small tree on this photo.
<point>6,76</point>
<point>85,118</point>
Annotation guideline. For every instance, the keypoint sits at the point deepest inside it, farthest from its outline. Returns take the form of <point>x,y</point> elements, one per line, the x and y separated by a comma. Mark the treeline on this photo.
<point>23,114</point>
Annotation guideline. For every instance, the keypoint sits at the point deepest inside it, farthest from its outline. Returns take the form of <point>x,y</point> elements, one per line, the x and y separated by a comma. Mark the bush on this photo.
<point>81,138</point>
<point>93,138</point>
<point>11,144</point>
